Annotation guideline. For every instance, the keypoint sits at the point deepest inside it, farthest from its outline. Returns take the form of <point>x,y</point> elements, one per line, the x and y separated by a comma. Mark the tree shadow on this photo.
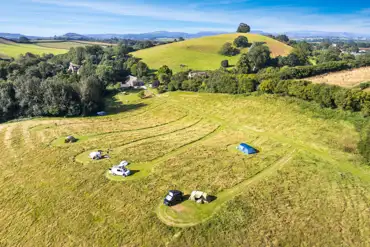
<point>115,106</point>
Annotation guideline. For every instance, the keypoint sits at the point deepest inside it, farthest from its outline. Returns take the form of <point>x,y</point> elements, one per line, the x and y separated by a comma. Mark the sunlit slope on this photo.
<point>202,53</point>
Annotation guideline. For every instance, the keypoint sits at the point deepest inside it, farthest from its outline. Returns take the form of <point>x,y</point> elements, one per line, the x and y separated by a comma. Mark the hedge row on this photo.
<point>299,72</point>
<point>326,95</point>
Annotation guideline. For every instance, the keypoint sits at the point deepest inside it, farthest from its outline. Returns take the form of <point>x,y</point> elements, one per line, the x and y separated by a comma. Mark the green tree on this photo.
<point>258,57</point>
<point>243,65</point>
<point>142,69</point>
<point>23,39</point>
<point>165,70</point>
<point>228,50</point>
<point>91,90</point>
<point>282,38</point>
<point>243,28</point>
<point>241,42</point>
<point>225,63</point>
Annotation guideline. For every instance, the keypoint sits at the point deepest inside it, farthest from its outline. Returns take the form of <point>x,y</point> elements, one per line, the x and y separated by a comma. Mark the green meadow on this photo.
<point>307,185</point>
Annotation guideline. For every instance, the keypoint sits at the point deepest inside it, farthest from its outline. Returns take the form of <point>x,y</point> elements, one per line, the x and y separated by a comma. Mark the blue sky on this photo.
<point>56,17</point>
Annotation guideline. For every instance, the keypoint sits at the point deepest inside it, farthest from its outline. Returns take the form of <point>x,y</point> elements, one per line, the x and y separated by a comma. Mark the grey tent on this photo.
<point>199,197</point>
<point>70,139</point>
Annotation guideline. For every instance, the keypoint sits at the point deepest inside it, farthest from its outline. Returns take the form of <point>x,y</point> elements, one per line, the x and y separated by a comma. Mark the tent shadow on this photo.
<point>211,198</point>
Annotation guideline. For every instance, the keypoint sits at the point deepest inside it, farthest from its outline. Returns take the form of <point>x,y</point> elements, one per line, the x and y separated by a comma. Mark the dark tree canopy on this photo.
<point>241,42</point>
<point>23,39</point>
<point>225,63</point>
<point>228,50</point>
<point>243,28</point>
<point>282,38</point>
<point>165,70</point>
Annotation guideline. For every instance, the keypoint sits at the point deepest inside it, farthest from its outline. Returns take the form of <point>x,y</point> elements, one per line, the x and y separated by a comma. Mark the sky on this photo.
<point>56,17</point>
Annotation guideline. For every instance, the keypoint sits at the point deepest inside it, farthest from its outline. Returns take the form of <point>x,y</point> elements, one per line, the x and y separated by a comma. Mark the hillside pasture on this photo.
<point>306,186</point>
<point>202,53</point>
<point>14,50</point>
<point>347,78</point>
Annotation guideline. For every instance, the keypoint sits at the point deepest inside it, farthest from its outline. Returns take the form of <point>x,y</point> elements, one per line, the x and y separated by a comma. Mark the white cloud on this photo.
<point>271,19</point>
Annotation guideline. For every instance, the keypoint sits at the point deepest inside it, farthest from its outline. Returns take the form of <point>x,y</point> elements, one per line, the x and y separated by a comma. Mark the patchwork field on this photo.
<point>10,49</point>
<point>69,44</point>
<point>307,186</point>
<point>347,78</point>
<point>15,49</point>
<point>202,53</point>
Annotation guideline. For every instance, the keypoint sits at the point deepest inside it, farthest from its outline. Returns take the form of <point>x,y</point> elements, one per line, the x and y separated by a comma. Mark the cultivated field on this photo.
<point>306,186</point>
<point>347,78</point>
<point>202,53</point>
<point>69,44</point>
<point>12,49</point>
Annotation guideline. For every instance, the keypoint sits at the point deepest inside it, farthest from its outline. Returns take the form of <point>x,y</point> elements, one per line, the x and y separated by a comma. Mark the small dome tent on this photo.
<point>70,139</point>
<point>245,148</point>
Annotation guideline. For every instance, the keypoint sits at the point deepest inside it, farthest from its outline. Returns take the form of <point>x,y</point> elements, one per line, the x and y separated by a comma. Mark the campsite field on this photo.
<point>347,78</point>
<point>307,186</point>
<point>202,53</point>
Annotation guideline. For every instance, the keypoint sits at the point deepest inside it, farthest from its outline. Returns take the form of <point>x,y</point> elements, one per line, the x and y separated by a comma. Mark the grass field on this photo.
<point>307,186</point>
<point>11,49</point>
<point>347,78</point>
<point>202,53</point>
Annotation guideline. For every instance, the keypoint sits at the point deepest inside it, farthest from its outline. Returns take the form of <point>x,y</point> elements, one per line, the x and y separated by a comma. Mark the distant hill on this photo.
<point>153,35</point>
<point>202,53</point>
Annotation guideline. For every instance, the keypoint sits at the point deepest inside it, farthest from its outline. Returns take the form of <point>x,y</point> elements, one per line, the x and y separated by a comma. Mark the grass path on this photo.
<point>190,213</point>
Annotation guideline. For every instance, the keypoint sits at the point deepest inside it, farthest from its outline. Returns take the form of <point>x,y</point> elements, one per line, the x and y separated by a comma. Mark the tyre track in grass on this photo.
<point>88,136</point>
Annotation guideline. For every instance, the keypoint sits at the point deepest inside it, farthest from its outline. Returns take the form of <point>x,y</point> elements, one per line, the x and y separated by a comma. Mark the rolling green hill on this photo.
<point>202,53</point>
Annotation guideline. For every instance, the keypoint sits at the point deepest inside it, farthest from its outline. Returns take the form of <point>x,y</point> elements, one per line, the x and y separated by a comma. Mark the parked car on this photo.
<point>173,197</point>
<point>119,171</point>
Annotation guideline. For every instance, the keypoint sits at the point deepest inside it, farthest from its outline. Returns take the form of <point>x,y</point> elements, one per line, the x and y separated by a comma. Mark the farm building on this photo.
<point>131,81</point>
<point>245,148</point>
<point>193,74</point>
<point>74,68</point>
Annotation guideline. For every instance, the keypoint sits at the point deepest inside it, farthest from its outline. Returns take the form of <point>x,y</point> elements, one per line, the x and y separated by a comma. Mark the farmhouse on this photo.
<point>193,74</point>
<point>74,68</point>
<point>131,81</point>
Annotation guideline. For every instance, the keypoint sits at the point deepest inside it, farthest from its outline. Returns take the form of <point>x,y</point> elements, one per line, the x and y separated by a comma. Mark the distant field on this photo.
<point>348,78</point>
<point>202,53</point>
<point>11,49</point>
<point>59,45</point>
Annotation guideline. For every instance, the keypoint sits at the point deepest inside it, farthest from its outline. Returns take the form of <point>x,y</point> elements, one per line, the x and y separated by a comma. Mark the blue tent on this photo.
<point>245,148</point>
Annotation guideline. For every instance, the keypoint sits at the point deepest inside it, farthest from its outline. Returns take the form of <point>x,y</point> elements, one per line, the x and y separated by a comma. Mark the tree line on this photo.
<point>41,86</point>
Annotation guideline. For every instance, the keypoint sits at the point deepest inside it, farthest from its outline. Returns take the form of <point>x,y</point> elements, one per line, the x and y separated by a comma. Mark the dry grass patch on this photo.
<point>348,78</point>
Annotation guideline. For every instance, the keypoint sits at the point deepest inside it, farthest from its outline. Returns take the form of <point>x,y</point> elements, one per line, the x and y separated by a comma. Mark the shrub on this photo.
<point>241,42</point>
<point>228,50</point>
<point>364,85</point>
<point>141,94</point>
<point>225,63</point>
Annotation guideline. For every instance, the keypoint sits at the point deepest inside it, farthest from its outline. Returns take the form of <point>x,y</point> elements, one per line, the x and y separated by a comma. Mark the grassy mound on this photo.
<point>202,53</point>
